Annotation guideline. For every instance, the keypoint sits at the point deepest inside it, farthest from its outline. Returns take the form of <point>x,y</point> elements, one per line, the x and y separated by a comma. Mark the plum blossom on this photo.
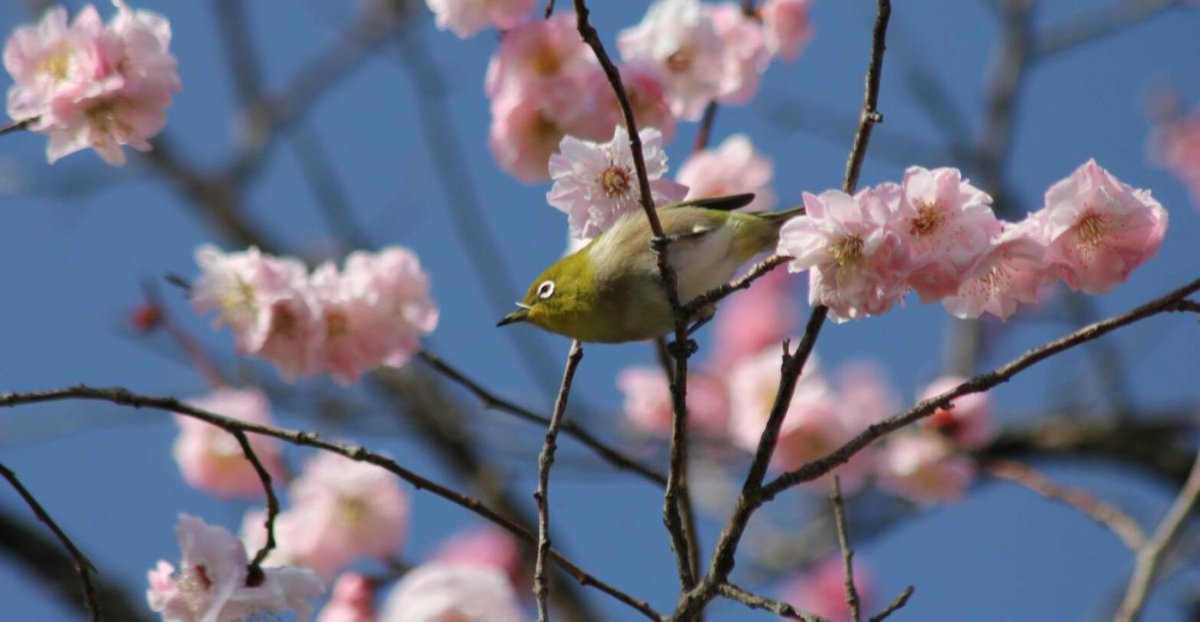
<point>968,420</point>
<point>647,98</point>
<point>466,18</point>
<point>1013,271</point>
<point>821,589</point>
<point>487,546</point>
<point>91,84</point>
<point>595,183</point>
<point>786,26</point>
<point>438,592</point>
<point>924,468</point>
<point>745,56</point>
<point>1100,229</point>
<point>341,510</point>
<point>539,55</point>
<point>648,401</point>
<point>211,583</point>
<point>351,600</point>
<point>855,258</point>
<point>814,425</point>
<point>679,39</point>
<point>266,301</point>
<point>527,128</point>
<point>211,459</point>
<point>345,323</point>
<point>947,225</point>
<point>753,319</point>
<point>733,167</point>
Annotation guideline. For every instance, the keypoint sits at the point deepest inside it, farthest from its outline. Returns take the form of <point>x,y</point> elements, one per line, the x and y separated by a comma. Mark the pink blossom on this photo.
<point>373,312</point>
<point>648,401</point>
<point>1100,229</point>
<point>753,319</point>
<point>947,225</point>
<point>466,18</point>
<point>266,301</point>
<point>211,459</point>
<point>786,26</point>
<point>352,600</point>
<point>733,167</point>
<point>814,425</point>
<point>526,129</point>
<point>439,592</point>
<point>487,546</point>
<point>745,56</point>
<point>821,589</point>
<point>679,39</point>
<point>924,468</point>
<point>855,260</point>
<point>91,84</point>
<point>968,420</point>
<point>343,509</point>
<point>539,55</point>
<point>595,183</point>
<point>1175,145</point>
<point>211,582</point>
<point>1013,271</point>
<point>647,98</point>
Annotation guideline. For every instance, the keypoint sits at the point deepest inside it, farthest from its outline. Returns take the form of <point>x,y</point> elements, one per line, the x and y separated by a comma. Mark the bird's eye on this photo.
<point>545,290</point>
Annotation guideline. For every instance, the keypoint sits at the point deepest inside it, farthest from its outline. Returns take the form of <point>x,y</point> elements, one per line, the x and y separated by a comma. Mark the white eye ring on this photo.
<point>545,290</point>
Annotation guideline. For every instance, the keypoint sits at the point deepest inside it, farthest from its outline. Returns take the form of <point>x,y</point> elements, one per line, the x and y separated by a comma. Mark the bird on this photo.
<point>610,291</point>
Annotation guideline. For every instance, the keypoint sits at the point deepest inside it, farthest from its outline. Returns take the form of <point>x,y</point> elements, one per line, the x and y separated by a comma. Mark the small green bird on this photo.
<point>610,291</point>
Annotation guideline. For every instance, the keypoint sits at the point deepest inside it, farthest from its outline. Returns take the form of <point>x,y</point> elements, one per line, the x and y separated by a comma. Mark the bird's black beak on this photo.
<point>516,316</point>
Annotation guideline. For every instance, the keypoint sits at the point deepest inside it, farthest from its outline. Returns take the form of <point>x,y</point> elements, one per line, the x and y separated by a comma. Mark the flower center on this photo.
<point>929,219</point>
<point>680,61</point>
<point>615,181</point>
<point>57,63</point>
<point>848,251</point>
<point>336,323</point>
<point>545,60</point>
<point>1092,228</point>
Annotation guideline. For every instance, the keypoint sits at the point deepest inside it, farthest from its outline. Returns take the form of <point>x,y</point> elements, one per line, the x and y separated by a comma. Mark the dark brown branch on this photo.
<point>125,397</point>
<point>1163,304</point>
<point>843,536</point>
<point>896,604</point>
<point>704,130</point>
<point>542,495</point>
<point>754,601</point>
<point>1109,516</point>
<point>83,565</point>
<point>17,126</point>
<point>490,400</point>
<point>1150,555</point>
<point>717,294</point>
<point>255,574</point>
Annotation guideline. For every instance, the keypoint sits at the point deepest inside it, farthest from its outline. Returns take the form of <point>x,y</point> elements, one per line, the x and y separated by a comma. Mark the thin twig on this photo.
<point>754,601</point>
<point>982,382</point>
<point>1117,521</point>
<point>255,575</point>
<point>541,589</point>
<point>490,400</point>
<point>717,294</point>
<point>17,126</point>
<point>704,130</point>
<point>1150,556</point>
<point>839,520</point>
<point>677,471</point>
<point>83,565</point>
<point>900,600</point>
<point>125,397</point>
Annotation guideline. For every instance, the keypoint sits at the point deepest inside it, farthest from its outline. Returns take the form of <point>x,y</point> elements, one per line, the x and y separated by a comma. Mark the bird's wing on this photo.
<point>723,204</point>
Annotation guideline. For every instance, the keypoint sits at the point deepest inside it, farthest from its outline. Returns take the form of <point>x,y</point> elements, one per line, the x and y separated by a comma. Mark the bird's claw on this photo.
<point>687,349</point>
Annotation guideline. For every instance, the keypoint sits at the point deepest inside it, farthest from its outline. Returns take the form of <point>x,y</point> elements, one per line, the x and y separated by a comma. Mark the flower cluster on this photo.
<point>340,510</point>
<point>344,323</point>
<point>92,84</point>
<point>935,233</point>
<point>545,84</point>
<point>211,583</point>
<point>730,397</point>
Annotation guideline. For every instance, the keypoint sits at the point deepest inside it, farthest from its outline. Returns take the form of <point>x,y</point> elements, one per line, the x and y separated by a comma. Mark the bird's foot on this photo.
<point>685,350</point>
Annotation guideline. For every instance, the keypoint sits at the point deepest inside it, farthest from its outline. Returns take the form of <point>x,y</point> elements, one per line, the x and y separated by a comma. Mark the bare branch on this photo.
<point>542,495</point>
<point>17,126</point>
<point>754,601</point>
<point>83,565</point>
<point>839,520</point>
<point>900,600</point>
<point>1150,556</point>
